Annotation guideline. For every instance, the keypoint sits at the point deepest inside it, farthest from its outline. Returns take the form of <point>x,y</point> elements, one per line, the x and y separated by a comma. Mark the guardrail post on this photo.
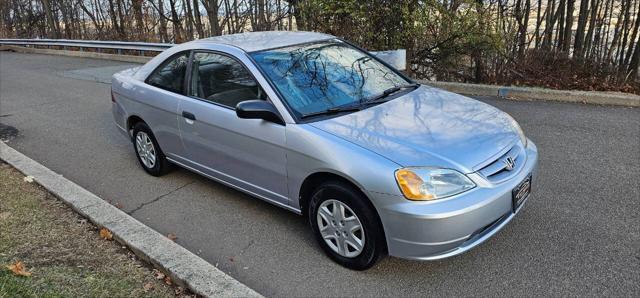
<point>119,51</point>
<point>81,49</point>
<point>141,53</point>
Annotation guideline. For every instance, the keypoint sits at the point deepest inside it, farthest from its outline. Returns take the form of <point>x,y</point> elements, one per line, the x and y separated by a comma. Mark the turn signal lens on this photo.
<point>425,184</point>
<point>411,185</point>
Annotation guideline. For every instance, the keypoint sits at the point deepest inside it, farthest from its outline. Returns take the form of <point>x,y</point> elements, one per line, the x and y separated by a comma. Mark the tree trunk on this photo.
<point>121,31</point>
<point>588,41</point>
<point>51,22</point>
<point>538,22</point>
<point>136,6</point>
<point>634,35</point>
<point>625,34</point>
<point>616,34</point>
<point>633,66</point>
<point>189,21</point>
<point>212,7</point>
<point>177,25</point>
<point>560,35</point>
<point>261,18</point>
<point>549,24</point>
<point>164,36</point>
<point>582,23</point>
<point>566,45</point>
<point>198,19</point>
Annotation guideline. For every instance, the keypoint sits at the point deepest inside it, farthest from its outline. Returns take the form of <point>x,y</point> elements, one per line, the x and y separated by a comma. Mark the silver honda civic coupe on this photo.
<point>377,163</point>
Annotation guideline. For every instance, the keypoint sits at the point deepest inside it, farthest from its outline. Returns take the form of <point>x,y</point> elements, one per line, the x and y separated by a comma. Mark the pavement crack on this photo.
<point>242,251</point>
<point>134,210</point>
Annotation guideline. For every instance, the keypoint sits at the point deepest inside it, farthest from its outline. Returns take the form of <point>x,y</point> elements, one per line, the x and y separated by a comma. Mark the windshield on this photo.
<point>317,77</point>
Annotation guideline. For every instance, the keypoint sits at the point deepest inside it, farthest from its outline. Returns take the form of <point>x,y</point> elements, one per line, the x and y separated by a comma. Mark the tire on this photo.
<point>334,193</point>
<point>159,165</point>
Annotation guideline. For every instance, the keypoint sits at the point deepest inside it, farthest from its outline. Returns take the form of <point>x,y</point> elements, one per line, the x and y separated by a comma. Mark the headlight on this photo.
<point>519,130</point>
<point>425,184</point>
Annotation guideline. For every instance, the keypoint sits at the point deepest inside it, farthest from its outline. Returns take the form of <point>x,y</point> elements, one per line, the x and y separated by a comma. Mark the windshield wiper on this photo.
<point>386,93</point>
<point>334,110</point>
<point>371,100</point>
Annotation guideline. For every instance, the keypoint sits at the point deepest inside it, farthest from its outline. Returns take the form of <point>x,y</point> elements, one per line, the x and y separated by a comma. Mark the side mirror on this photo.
<point>258,109</point>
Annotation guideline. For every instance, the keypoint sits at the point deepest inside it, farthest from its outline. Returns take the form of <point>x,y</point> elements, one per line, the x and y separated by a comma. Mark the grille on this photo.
<point>505,166</point>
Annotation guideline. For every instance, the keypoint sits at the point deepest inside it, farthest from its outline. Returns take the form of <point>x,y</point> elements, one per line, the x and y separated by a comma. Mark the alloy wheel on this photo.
<point>145,149</point>
<point>340,228</point>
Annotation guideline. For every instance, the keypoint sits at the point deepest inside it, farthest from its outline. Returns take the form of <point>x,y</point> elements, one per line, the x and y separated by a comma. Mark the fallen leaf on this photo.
<point>178,291</point>
<point>172,237</point>
<point>231,259</point>
<point>148,287</point>
<point>106,234</point>
<point>118,205</point>
<point>157,274</point>
<point>167,280</point>
<point>28,179</point>
<point>18,269</point>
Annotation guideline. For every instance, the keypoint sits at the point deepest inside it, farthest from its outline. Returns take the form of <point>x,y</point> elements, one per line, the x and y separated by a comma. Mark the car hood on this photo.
<point>428,127</point>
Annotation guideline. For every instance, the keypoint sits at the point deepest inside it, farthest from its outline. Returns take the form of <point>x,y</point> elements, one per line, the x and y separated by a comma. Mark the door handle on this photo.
<point>188,115</point>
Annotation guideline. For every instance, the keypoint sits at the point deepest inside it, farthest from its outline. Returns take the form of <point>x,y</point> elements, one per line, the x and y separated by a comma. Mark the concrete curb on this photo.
<point>184,267</point>
<point>93,55</point>
<point>526,93</point>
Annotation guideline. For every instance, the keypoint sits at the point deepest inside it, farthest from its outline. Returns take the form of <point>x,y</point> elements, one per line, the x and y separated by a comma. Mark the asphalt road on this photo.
<point>578,235</point>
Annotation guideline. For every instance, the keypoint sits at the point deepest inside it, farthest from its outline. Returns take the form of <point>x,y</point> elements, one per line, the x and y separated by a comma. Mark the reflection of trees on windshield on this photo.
<point>323,75</point>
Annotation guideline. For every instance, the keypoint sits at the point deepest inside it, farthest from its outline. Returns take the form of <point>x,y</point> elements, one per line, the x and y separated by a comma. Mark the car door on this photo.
<point>157,102</point>
<point>247,153</point>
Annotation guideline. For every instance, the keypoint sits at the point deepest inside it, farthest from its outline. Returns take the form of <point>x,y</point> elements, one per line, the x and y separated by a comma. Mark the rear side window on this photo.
<point>170,75</point>
<point>223,80</point>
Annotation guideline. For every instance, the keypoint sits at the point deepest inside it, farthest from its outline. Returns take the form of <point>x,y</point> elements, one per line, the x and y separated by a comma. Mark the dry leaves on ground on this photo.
<point>158,274</point>
<point>172,237</point>
<point>167,280</point>
<point>106,234</point>
<point>148,287</point>
<point>18,269</point>
<point>28,179</point>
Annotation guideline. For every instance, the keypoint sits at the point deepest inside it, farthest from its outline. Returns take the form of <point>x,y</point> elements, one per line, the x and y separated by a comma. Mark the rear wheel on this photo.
<point>148,151</point>
<point>346,226</point>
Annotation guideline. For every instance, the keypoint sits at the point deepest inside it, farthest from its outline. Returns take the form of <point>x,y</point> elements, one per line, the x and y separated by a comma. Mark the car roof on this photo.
<point>257,41</point>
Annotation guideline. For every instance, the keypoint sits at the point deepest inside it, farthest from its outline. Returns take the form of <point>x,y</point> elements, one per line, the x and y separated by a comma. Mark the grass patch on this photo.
<point>62,250</point>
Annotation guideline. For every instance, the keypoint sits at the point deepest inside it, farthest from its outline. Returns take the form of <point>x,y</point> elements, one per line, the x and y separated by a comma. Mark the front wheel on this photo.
<point>346,226</point>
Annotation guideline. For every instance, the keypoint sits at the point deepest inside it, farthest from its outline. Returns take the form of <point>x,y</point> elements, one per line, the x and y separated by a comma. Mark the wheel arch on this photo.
<point>132,120</point>
<point>311,182</point>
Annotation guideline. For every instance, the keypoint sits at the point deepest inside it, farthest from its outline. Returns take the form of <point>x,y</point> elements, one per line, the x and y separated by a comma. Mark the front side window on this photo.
<point>222,79</point>
<point>317,77</point>
<point>170,75</point>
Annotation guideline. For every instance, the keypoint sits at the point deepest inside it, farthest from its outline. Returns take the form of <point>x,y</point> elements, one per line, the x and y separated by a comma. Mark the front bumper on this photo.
<point>448,227</point>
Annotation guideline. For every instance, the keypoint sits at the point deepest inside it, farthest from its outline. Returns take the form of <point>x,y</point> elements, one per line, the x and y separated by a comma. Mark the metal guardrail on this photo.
<point>92,44</point>
<point>397,58</point>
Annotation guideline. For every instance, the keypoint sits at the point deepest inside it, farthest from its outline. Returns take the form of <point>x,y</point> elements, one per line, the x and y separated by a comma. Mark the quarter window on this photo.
<point>223,80</point>
<point>170,76</point>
